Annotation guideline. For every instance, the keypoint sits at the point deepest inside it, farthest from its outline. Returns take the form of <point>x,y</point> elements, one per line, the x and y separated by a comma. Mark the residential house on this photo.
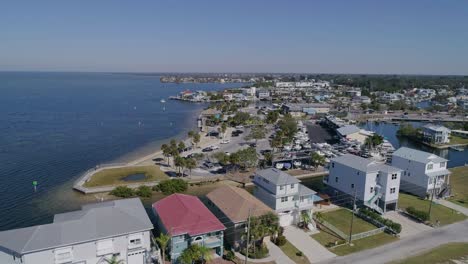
<point>93,234</point>
<point>436,134</point>
<point>423,173</point>
<point>235,205</point>
<point>263,94</point>
<point>187,221</point>
<point>376,185</point>
<point>284,194</point>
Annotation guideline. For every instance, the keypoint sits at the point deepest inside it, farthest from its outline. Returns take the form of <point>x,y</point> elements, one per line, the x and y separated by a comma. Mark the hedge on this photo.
<point>377,217</point>
<point>421,215</point>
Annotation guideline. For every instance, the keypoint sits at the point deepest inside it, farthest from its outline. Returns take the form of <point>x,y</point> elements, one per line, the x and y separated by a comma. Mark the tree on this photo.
<point>114,260</point>
<point>181,146</point>
<point>168,187</point>
<point>374,140</point>
<point>222,158</point>
<point>317,160</point>
<point>166,152</point>
<point>261,226</point>
<point>223,129</point>
<point>240,118</point>
<point>122,191</point>
<point>190,164</point>
<point>257,133</point>
<point>247,158</point>
<point>195,253</point>
<point>196,138</point>
<point>162,240</point>
<point>272,117</point>
<point>306,219</point>
<point>143,191</point>
<point>288,126</point>
<point>179,162</point>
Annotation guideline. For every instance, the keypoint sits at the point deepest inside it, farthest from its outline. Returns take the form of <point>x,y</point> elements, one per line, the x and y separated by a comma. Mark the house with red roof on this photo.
<point>187,221</point>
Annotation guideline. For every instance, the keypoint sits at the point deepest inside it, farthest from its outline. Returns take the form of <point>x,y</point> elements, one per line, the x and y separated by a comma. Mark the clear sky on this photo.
<point>329,36</point>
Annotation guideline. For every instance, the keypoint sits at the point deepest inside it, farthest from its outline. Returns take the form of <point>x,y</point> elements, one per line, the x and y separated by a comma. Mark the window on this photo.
<point>292,186</point>
<point>394,176</point>
<point>371,189</point>
<point>135,241</point>
<point>333,164</point>
<point>63,255</point>
<point>284,199</point>
<point>357,173</point>
<point>429,166</point>
<point>409,174</point>
<point>302,199</point>
<point>336,179</point>
<point>392,190</point>
<point>442,164</point>
<point>352,185</point>
<point>281,187</point>
<point>404,173</point>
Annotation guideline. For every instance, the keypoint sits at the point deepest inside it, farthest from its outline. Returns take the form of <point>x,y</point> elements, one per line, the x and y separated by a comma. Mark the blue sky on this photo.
<point>411,37</point>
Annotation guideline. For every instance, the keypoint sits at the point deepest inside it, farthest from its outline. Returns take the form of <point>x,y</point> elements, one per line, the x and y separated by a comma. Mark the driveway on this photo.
<point>311,248</point>
<point>409,227</point>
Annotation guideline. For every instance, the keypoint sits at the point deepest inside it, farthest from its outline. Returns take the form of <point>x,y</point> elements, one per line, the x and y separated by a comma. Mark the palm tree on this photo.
<point>205,254</point>
<point>196,138</point>
<point>162,240</point>
<point>114,260</point>
<point>317,160</point>
<point>305,217</point>
<point>223,128</point>
<point>166,152</point>
<point>190,164</point>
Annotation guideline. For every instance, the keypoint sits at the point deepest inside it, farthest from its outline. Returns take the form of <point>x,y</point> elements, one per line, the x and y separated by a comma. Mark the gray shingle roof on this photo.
<point>347,130</point>
<point>436,127</point>
<point>277,177</point>
<point>93,222</point>
<point>363,164</point>
<point>305,191</point>
<point>417,155</point>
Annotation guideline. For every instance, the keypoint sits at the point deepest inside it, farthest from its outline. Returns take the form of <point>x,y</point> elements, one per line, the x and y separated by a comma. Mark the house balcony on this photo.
<point>213,242</point>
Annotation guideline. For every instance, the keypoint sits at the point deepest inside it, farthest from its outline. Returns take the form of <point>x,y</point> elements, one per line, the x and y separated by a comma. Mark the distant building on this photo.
<point>262,94</point>
<point>362,100</point>
<point>436,134</point>
<point>234,205</point>
<point>355,92</point>
<point>97,232</point>
<point>284,194</point>
<point>302,109</point>
<point>376,185</point>
<point>423,172</point>
<point>187,221</point>
<point>284,84</point>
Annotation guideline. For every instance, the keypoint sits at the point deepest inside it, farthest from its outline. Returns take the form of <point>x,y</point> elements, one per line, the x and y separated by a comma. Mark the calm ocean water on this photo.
<point>53,126</point>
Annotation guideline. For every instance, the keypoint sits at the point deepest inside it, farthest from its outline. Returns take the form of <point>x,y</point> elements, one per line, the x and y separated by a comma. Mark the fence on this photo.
<point>368,233</point>
<point>332,228</point>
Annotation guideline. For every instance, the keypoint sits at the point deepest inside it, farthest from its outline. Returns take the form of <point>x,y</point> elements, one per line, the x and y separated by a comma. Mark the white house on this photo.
<point>436,134</point>
<point>423,172</point>
<point>376,185</point>
<point>284,194</point>
<point>90,236</point>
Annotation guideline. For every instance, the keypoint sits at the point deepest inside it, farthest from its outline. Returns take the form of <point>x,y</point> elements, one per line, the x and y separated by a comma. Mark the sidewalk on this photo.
<point>454,206</point>
<point>312,249</point>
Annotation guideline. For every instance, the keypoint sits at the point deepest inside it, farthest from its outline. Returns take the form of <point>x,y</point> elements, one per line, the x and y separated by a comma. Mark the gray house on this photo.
<point>95,233</point>
<point>436,134</point>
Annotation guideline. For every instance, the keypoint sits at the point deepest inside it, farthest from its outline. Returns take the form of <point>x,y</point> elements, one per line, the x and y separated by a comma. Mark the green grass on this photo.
<point>342,218</point>
<point>443,254</point>
<point>439,212</point>
<point>291,251</point>
<point>114,176</point>
<point>459,183</point>
<point>358,245</point>
<point>458,140</point>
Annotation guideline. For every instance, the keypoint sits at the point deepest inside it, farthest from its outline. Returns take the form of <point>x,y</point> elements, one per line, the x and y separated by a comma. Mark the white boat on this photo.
<point>297,147</point>
<point>287,147</point>
<point>297,163</point>
<point>163,101</point>
<point>279,165</point>
<point>307,146</point>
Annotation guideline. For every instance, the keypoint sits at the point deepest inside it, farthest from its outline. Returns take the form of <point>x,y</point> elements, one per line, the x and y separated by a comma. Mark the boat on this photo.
<point>287,166</point>
<point>297,163</point>
<point>279,165</point>
<point>307,146</point>
<point>163,101</point>
<point>287,147</point>
<point>297,147</point>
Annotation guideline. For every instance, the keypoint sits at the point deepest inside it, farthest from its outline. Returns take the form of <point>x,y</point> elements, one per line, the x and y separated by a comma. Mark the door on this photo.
<point>136,257</point>
<point>286,219</point>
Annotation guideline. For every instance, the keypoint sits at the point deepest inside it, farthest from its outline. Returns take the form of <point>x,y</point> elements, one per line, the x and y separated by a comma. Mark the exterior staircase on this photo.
<point>371,203</point>
<point>445,191</point>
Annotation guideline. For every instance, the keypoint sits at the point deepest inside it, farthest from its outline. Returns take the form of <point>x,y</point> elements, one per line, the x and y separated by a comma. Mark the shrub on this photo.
<point>156,188</point>
<point>143,191</point>
<point>122,191</point>
<point>299,253</point>
<point>173,186</point>
<point>230,255</point>
<point>280,240</point>
<point>377,217</point>
<point>421,215</point>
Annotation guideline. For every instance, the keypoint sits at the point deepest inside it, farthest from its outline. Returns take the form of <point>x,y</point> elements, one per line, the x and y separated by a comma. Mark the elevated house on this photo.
<point>284,194</point>
<point>235,205</point>
<point>376,185</point>
<point>436,134</point>
<point>423,173</point>
<point>94,234</point>
<point>188,221</point>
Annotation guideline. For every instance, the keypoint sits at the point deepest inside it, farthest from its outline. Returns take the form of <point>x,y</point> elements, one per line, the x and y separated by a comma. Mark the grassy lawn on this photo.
<point>443,254</point>
<point>114,176</point>
<point>459,183</point>
<point>458,140</point>
<point>291,251</point>
<point>439,212</point>
<point>358,245</point>
<point>342,218</point>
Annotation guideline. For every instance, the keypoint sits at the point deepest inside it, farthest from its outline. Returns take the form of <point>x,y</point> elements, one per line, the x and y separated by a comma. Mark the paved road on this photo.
<point>409,227</point>
<point>410,246</point>
<point>312,249</point>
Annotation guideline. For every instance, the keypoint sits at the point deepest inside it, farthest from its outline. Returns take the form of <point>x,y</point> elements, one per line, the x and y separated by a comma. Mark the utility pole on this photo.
<point>432,198</point>
<point>248,238</point>
<point>352,217</point>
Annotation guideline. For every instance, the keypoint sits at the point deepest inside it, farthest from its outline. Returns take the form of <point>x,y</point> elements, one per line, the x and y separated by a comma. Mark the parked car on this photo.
<point>214,147</point>
<point>208,149</point>
<point>239,127</point>
<point>225,141</point>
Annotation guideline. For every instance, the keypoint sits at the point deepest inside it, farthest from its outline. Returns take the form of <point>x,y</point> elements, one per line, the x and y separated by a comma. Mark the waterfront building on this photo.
<point>436,134</point>
<point>234,205</point>
<point>354,133</point>
<point>93,234</point>
<point>284,194</point>
<point>188,221</point>
<point>303,109</point>
<point>284,84</point>
<point>376,185</point>
<point>423,173</point>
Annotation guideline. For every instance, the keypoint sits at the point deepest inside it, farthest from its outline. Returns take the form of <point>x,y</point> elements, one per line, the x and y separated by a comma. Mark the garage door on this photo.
<point>136,257</point>
<point>286,219</point>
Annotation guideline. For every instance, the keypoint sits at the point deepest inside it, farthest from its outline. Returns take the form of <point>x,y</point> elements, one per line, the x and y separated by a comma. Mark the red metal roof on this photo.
<point>186,214</point>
